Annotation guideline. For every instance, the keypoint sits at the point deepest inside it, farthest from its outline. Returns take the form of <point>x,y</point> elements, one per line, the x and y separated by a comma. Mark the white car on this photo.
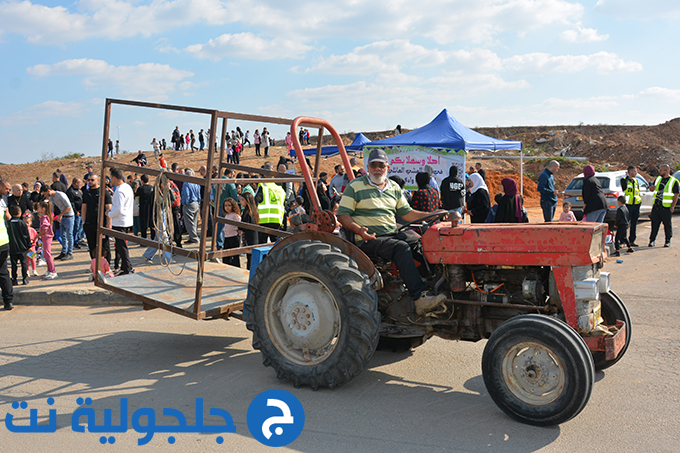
<point>611,186</point>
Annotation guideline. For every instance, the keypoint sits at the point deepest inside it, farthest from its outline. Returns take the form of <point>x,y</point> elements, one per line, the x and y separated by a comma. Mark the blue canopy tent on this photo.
<point>328,151</point>
<point>446,132</point>
<point>441,143</point>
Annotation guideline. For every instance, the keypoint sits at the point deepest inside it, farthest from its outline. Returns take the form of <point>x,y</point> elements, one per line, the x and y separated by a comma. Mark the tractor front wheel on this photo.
<point>538,370</point>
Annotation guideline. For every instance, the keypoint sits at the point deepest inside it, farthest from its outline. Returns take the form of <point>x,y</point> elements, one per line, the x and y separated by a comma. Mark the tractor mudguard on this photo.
<point>349,249</point>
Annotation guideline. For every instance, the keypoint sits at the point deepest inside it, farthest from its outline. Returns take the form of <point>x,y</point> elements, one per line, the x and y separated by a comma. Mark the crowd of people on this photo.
<point>68,213</point>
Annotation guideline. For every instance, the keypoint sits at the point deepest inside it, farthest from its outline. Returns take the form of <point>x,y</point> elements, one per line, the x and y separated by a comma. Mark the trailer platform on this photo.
<point>223,291</point>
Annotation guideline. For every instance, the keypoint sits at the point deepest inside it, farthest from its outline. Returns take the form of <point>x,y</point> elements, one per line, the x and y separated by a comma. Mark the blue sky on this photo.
<point>361,65</point>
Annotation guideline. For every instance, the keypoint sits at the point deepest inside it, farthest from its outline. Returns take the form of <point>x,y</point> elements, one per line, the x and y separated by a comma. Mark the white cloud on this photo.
<point>112,19</point>
<point>380,57</point>
<point>444,21</point>
<point>36,113</point>
<point>543,63</point>
<point>248,46</point>
<point>582,34</point>
<point>634,9</point>
<point>666,94</point>
<point>148,80</point>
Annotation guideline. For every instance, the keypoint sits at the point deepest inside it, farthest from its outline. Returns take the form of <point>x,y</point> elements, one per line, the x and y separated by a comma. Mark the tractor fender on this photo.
<point>349,249</point>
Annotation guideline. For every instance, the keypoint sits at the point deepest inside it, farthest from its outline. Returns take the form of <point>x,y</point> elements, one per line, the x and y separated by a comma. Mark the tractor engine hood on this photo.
<point>507,244</point>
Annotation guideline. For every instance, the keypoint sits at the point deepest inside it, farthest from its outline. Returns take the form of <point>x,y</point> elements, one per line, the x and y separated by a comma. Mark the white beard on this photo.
<point>377,179</point>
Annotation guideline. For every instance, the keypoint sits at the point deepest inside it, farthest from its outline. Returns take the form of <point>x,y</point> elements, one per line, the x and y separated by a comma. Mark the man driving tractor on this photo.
<point>368,208</point>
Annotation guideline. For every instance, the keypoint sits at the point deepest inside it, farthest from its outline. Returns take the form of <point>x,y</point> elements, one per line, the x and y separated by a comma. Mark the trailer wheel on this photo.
<point>313,314</point>
<point>538,370</point>
<point>613,309</point>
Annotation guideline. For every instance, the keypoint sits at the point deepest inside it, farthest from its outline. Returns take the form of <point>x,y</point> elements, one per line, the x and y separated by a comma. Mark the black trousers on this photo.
<point>146,222</point>
<point>658,216</point>
<point>19,258</point>
<point>91,236</point>
<point>232,243</point>
<point>5,282</point>
<point>621,233</point>
<point>122,251</point>
<point>634,210</point>
<point>262,237</point>
<point>398,248</point>
<point>177,227</point>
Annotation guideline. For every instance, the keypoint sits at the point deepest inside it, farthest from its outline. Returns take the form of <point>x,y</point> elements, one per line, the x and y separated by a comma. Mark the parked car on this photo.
<point>611,186</point>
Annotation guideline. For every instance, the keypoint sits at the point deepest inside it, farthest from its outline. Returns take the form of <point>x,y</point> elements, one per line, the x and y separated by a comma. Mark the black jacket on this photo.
<point>593,197</point>
<point>24,202</point>
<point>506,211</point>
<point>19,239</point>
<point>478,205</point>
<point>76,198</point>
<point>622,217</point>
<point>452,190</point>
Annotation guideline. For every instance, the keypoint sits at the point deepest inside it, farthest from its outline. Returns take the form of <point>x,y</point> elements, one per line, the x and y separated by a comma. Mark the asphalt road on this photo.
<point>432,399</point>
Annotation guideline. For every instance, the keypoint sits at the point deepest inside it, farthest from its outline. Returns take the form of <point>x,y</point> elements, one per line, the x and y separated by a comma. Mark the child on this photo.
<point>31,254</point>
<point>104,267</point>
<point>163,163</point>
<point>567,215</point>
<point>491,217</point>
<point>249,215</point>
<point>622,221</point>
<point>46,235</point>
<point>231,238</point>
<point>19,243</point>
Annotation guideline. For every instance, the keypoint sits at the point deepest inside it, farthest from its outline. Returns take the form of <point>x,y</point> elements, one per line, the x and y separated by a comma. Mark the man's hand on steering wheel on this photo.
<point>427,221</point>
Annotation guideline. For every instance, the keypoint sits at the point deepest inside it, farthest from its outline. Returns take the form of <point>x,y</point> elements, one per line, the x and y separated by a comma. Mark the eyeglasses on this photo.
<point>91,179</point>
<point>379,165</point>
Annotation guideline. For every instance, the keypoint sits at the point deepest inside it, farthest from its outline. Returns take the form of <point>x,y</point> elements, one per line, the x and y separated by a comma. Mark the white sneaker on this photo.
<point>428,301</point>
<point>35,273</point>
<point>50,276</point>
<point>41,262</point>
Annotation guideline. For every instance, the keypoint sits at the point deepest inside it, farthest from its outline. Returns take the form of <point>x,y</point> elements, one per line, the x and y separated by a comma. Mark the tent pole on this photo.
<point>521,171</point>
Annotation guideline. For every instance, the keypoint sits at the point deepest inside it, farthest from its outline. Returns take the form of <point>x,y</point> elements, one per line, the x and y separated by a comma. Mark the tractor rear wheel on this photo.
<point>538,370</point>
<point>313,314</point>
<point>613,309</point>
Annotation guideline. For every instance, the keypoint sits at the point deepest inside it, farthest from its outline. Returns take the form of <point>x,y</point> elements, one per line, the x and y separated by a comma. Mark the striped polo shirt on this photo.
<point>371,208</point>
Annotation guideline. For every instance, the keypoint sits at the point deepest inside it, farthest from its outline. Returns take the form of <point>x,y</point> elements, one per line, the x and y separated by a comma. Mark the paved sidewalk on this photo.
<point>74,285</point>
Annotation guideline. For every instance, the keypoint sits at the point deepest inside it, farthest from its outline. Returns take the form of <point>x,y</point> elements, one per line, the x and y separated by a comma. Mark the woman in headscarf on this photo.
<point>425,199</point>
<point>478,204</point>
<point>595,206</point>
<point>510,207</point>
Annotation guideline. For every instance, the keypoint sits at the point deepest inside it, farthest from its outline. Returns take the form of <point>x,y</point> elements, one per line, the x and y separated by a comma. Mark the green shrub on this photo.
<point>74,156</point>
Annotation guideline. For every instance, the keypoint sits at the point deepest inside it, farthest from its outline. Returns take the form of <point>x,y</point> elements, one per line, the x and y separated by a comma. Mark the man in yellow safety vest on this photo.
<point>270,199</point>
<point>666,189</point>
<point>5,281</point>
<point>631,190</point>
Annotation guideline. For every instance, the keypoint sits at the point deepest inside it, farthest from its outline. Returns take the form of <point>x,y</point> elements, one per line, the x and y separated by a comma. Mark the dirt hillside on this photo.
<point>605,146</point>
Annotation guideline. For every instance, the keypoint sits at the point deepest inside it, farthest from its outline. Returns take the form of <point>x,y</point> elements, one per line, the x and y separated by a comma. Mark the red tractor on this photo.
<point>318,308</point>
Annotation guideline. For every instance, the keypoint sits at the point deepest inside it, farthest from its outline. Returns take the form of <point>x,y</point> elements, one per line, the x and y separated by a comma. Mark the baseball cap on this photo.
<point>377,155</point>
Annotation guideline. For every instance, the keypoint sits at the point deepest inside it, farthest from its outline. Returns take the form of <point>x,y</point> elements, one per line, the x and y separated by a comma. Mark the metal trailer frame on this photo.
<point>130,286</point>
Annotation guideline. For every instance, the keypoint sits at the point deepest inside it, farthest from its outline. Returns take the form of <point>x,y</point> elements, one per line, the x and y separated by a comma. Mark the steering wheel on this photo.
<point>427,221</point>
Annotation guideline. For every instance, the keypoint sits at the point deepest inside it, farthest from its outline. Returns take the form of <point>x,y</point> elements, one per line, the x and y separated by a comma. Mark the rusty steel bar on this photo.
<point>149,243</point>
<point>155,172</point>
<point>495,304</point>
<point>160,106</point>
<point>231,252</point>
<point>102,188</point>
<point>251,226</point>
